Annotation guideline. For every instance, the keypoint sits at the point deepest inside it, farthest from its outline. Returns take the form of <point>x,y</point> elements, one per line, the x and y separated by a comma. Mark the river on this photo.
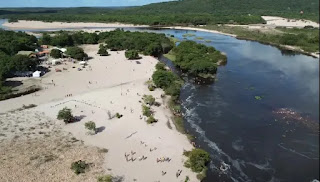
<point>259,118</point>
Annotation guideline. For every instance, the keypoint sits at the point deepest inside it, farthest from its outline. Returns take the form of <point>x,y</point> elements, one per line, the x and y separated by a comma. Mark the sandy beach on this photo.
<point>23,24</point>
<point>285,22</point>
<point>110,84</point>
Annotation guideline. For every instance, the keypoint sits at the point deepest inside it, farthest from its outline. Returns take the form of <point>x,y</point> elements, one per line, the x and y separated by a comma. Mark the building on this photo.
<point>30,54</point>
<point>36,74</point>
<point>43,53</point>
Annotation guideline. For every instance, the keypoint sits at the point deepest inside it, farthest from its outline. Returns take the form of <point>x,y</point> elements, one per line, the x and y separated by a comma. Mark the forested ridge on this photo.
<point>181,12</point>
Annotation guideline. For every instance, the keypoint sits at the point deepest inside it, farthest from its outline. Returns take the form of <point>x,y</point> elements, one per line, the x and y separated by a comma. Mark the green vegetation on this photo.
<point>119,115</point>
<point>146,111</point>
<point>132,54</point>
<point>103,50</point>
<point>55,53</point>
<point>76,53</point>
<point>147,43</point>
<point>197,161</point>
<point>182,12</point>
<point>63,38</point>
<point>91,126</point>
<point>65,115</point>
<point>197,60</point>
<point>306,39</point>
<point>10,44</point>
<point>79,167</point>
<point>149,99</point>
<point>105,178</point>
<point>151,120</point>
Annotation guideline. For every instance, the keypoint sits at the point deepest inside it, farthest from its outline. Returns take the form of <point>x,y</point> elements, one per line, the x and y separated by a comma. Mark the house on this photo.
<point>44,46</point>
<point>36,74</point>
<point>43,53</point>
<point>27,53</point>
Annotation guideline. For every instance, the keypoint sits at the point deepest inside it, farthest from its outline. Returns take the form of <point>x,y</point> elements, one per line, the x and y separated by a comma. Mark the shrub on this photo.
<point>160,66</point>
<point>202,175</point>
<point>105,178</point>
<point>65,115</point>
<point>55,53</point>
<point>146,111</point>
<point>151,120</point>
<point>119,115</point>
<point>90,125</point>
<point>76,53</point>
<point>197,160</point>
<point>132,54</point>
<point>149,99</point>
<point>151,87</point>
<point>163,79</point>
<point>79,166</point>
<point>103,50</point>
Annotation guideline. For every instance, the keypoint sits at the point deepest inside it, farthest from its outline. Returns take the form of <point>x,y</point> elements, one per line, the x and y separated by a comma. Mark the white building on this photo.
<point>36,74</point>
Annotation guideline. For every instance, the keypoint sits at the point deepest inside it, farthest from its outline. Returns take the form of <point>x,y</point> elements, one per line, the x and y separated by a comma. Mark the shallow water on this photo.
<point>246,139</point>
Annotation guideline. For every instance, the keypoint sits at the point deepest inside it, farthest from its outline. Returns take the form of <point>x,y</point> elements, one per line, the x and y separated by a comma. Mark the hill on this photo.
<point>183,12</point>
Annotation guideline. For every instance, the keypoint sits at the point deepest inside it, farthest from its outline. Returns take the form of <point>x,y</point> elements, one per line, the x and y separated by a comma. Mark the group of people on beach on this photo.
<point>163,159</point>
<point>132,158</point>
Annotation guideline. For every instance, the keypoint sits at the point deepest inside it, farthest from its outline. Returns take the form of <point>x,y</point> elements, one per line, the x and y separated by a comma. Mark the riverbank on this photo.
<point>252,38</point>
<point>31,25</point>
<point>113,84</point>
<point>272,23</point>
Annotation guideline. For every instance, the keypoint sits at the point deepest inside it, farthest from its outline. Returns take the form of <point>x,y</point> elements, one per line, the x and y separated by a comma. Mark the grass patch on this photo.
<point>79,167</point>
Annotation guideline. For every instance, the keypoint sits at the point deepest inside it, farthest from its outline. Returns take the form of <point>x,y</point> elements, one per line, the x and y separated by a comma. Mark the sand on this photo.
<point>116,85</point>
<point>285,22</point>
<point>23,24</point>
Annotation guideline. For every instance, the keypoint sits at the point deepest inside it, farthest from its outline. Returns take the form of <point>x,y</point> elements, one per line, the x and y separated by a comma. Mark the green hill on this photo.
<point>181,12</point>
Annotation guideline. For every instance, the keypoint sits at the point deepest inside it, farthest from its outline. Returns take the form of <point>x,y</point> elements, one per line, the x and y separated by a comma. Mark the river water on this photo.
<point>259,118</point>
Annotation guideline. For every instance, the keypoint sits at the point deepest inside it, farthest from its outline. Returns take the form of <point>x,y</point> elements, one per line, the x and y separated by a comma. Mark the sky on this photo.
<point>74,3</point>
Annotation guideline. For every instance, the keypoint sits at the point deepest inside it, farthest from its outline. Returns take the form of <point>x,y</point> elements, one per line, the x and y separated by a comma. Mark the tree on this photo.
<point>65,115</point>
<point>103,50</point>
<point>45,39</point>
<point>132,54</point>
<point>23,63</point>
<point>55,53</point>
<point>197,160</point>
<point>76,53</point>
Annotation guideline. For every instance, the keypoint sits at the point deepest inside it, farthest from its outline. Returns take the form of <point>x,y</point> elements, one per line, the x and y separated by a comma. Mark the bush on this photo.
<point>55,53</point>
<point>119,115</point>
<point>90,125</point>
<point>151,120</point>
<point>146,111</point>
<point>149,99</point>
<point>103,50</point>
<point>79,166</point>
<point>161,66</point>
<point>65,115</point>
<point>105,178</point>
<point>76,53</point>
<point>151,87</point>
<point>132,54</point>
<point>202,175</point>
<point>197,160</point>
<point>163,79</point>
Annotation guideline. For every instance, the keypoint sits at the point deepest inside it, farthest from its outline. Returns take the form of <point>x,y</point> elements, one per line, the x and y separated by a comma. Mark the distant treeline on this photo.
<point>183,12</point>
